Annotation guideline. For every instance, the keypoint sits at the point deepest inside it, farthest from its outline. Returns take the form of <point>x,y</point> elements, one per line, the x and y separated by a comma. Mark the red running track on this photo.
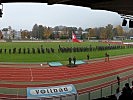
<point>61,73</point>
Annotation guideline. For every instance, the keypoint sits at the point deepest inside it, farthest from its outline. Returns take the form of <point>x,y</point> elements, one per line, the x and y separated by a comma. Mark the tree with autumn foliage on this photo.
<point>47,32</point>
<point>103,34</point>
<point>91,33</point>
<point>120,30</point>
<point>25,34</point>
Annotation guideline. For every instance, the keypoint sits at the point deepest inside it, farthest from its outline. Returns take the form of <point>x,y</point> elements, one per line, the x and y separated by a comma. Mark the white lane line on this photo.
<point>31,75</point>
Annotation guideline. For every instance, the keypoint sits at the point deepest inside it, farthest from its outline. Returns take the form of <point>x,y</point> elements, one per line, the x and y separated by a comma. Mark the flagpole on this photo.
<point>73,36</point>
<point>74,39</point>
<point>72,44</point>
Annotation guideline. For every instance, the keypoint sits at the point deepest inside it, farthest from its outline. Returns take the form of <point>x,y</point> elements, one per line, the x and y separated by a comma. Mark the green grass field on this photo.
<point>48,57</point>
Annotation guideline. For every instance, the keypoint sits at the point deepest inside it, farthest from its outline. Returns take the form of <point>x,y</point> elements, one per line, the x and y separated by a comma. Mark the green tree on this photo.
<point>40,32</point>
<point>35,31</point>
<point>109,32</point>
<point>115,32</point>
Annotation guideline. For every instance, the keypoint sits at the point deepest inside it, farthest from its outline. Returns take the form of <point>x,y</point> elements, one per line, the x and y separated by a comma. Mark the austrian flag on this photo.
<point>74,38</point>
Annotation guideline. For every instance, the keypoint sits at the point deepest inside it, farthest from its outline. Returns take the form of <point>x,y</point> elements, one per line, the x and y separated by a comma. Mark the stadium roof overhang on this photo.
<point>120,6</point>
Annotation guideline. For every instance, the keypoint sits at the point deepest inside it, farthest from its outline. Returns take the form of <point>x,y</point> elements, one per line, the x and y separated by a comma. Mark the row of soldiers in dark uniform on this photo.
<point>110,47</point>
<point>63,49</point>
<point>27,50</point>
<point>90,48</point>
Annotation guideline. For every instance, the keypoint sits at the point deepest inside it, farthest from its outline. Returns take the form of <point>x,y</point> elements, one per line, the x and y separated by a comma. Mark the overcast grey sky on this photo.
<point>25,15</point>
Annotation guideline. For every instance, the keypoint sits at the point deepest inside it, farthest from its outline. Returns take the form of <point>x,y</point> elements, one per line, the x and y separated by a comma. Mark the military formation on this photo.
<point>61,49</point>
<point>91,48</point>
<point>27,50</point>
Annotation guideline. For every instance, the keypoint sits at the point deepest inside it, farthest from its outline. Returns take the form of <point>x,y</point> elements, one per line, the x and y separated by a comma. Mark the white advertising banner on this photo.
<point>45,92</point>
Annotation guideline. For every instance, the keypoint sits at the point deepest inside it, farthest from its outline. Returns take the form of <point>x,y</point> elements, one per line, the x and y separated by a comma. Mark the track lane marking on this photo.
<point>31,74</point>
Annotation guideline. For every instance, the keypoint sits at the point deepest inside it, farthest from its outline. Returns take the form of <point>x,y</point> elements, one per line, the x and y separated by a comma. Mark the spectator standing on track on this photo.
<point>106,57</point>
<point>70,59</point>
<point>74,60</point>
<point>88,56</point>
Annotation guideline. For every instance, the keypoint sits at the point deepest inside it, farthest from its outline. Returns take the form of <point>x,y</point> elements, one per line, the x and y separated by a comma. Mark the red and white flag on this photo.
<point>74,38</point>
